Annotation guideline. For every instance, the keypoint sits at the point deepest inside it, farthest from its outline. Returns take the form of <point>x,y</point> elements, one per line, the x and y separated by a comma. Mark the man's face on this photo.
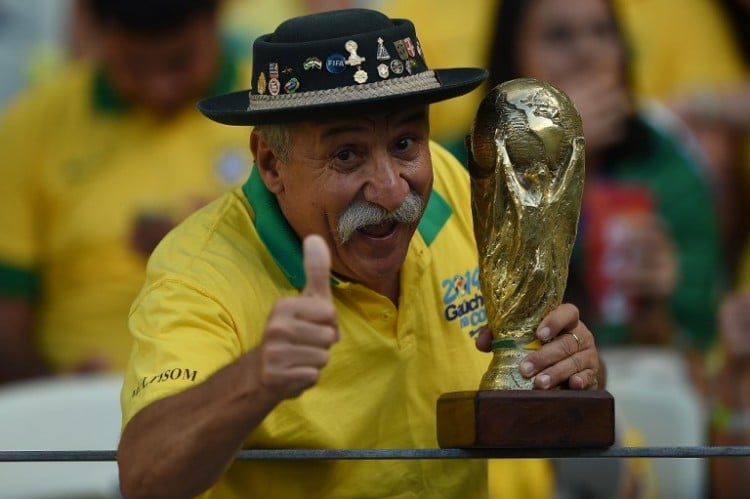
<point>162,73</point>
<point>338,171</point>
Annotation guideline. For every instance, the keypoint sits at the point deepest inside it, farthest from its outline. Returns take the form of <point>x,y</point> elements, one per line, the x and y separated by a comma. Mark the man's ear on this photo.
<point>266,162</point>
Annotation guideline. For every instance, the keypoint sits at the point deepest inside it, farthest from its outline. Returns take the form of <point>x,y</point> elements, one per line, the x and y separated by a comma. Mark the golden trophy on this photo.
<point>526,160</point>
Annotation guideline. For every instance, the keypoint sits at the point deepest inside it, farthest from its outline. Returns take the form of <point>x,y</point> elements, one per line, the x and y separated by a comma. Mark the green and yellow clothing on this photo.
<point>78,168</point>
<point>210,287</point>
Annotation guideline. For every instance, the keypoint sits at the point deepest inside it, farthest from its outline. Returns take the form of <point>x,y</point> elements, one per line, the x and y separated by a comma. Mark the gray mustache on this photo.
<point>361,213</point>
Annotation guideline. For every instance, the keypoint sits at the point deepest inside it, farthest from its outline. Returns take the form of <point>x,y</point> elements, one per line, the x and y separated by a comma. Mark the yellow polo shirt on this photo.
<point>78,168</point>
<point>210,286</point>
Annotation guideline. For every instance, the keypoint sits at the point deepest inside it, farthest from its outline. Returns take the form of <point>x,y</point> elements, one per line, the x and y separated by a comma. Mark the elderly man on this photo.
<point>329,301</point>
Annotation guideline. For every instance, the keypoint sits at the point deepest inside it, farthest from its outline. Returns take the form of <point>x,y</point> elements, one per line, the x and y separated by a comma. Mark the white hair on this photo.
<point>278,137</point>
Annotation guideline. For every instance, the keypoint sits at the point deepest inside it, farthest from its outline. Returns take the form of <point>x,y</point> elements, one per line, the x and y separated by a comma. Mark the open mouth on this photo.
<point>378,230</point>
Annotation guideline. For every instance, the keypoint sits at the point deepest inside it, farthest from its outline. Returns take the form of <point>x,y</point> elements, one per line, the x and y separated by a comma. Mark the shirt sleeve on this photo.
<point>182,335</point>
<point>21,145</point>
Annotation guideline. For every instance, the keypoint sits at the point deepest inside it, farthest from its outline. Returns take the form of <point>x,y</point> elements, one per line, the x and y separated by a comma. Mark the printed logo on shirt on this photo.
<point>464,302</point>
<point>173,374</point>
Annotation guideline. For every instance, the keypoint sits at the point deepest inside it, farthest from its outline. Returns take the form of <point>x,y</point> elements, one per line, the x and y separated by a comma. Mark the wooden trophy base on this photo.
<point>526,418</point>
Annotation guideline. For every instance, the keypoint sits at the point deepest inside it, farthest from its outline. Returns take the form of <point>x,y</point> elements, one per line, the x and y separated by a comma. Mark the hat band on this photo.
<point>425,80</point>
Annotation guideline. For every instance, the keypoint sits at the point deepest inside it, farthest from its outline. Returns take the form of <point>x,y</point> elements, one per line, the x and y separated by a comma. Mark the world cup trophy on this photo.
<point>527,169</point>
<point>526,161</point>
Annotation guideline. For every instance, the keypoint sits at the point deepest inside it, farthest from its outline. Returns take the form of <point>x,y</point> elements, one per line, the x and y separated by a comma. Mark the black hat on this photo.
<point>334,64</point>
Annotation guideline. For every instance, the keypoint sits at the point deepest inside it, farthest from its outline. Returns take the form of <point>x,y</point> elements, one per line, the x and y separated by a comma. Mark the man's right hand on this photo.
<point>300,329</point>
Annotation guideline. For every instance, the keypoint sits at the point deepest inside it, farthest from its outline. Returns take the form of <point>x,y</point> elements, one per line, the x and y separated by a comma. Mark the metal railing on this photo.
<point>395,454</point>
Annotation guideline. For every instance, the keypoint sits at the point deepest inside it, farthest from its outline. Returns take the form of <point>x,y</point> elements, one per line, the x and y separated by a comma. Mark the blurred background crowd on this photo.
<point>103,152</point>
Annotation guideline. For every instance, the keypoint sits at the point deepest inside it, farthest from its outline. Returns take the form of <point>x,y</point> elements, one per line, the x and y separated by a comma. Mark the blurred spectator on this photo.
<point>693,63</point>
<point>732,107</point>
<point>725,111</point>
<point>731,397</point>
<point>99,162</point>
<point>698,64</point>
<point>646,268</point>
<point>647,259</point>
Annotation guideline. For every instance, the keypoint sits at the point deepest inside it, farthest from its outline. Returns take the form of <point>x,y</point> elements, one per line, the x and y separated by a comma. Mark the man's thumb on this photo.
<point>317,260</point>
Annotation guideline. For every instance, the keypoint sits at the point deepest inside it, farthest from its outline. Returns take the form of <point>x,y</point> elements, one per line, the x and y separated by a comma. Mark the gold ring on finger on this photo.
<point>578,340</point>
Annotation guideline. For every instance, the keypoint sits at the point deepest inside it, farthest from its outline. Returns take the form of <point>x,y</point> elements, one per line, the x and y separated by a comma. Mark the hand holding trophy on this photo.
<point>526,160</point>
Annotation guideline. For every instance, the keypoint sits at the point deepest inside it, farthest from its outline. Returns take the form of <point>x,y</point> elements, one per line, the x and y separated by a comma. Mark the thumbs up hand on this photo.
<point>317,260</point>
<point>300,329</point>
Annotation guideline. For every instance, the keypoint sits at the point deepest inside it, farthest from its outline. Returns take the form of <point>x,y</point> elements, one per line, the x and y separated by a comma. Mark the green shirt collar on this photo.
<point>284,245</point>
<point>106,99</point>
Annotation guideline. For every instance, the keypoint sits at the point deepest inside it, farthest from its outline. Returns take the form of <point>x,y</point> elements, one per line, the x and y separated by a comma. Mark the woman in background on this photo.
<point>647,262</point>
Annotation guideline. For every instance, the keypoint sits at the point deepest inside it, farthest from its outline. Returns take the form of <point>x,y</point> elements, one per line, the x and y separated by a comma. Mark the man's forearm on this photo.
<point>179,446</point>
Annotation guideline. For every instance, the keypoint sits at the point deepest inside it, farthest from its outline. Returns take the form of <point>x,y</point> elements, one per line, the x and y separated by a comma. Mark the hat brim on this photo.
<point>232,108</point>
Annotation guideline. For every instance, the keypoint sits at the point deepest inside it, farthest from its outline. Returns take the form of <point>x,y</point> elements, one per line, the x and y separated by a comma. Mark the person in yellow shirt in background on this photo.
<point>98,163</point>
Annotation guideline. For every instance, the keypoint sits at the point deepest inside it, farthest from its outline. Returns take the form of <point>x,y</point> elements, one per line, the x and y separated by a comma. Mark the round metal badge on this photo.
<point>335,63</point>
